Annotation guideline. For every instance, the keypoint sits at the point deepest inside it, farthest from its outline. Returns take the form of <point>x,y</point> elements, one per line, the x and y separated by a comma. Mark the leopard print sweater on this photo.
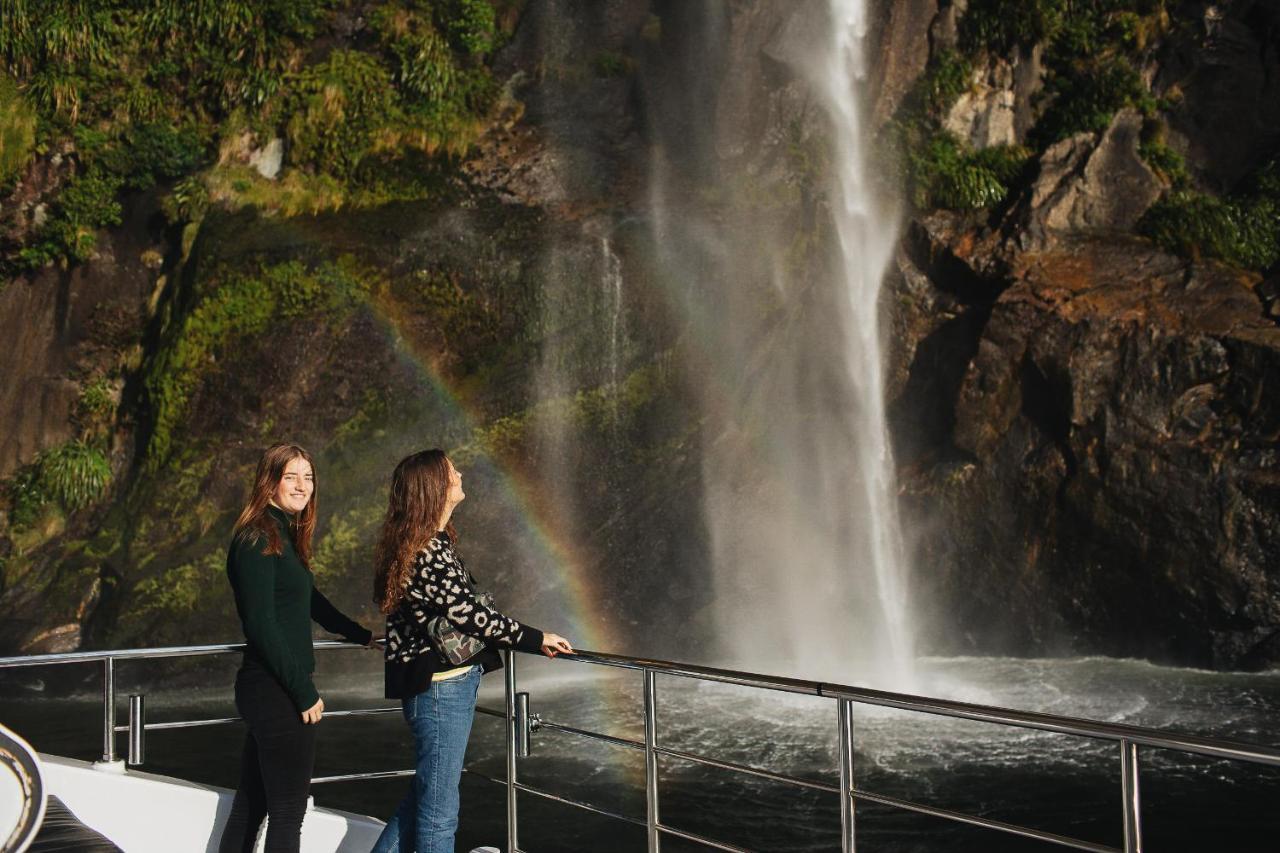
<point>440,585</point>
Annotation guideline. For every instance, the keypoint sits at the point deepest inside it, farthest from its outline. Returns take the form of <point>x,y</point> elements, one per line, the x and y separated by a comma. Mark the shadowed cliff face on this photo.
<point>1105,469</point>
<point>1085,425</point>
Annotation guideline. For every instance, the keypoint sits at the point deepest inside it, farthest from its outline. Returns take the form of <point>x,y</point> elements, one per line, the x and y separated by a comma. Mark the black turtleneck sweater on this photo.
<point>277,599</point>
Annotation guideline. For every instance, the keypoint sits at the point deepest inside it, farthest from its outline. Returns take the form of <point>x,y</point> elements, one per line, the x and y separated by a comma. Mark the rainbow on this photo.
<point>581,597</point>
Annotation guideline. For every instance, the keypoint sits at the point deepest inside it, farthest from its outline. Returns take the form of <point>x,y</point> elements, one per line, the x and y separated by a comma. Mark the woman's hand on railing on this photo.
<point>314,713</point>
<point>375,641</point>
<point>554,644</point>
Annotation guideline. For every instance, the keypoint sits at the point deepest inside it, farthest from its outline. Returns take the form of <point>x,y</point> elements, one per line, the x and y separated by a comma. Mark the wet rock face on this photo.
<point>1110,476</point>
<point>62,328</point>
<point>900,36</point>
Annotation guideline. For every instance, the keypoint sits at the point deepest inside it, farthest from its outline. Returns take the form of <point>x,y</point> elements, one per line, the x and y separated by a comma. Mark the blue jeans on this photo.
<point>440,719</point>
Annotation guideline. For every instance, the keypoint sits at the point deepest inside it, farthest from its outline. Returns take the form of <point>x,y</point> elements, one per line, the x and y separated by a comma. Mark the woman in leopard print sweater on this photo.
<point>420,577</point>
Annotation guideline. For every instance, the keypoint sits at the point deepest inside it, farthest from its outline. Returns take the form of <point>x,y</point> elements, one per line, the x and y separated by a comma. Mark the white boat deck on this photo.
<point>146,813</point>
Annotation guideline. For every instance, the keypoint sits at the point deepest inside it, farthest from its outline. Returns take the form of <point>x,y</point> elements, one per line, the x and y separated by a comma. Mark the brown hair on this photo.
<point>419,493</point>
<point>254,523</point>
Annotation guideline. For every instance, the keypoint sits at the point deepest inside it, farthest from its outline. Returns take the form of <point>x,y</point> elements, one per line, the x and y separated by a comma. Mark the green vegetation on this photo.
<point>939,169</point>
<point>1092,51</point>
<point>239,306</point>
<point>17,131</point>
<point>948,174</point>
<point>596,411</point>
<point>73,475</point>
<point>608,63</point>
<point>87,204</point>
<point>1165,162</point>
<point>339,106</point>
<point>146,88</point>
<point>95,408</point>
<point>1243,229</point>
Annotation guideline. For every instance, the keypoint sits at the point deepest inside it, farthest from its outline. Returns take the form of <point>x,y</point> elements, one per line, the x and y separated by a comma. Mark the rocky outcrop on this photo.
<point>998,106</point>
<point>1090,184</point>
<point>1109,474</point>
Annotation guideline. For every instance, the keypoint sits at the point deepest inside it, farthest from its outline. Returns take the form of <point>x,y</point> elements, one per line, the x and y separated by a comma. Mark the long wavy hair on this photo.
<point>254,523</point>
<point>419,494</point>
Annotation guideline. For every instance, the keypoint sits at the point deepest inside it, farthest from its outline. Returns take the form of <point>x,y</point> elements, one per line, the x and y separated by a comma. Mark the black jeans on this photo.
<point>275,767</point>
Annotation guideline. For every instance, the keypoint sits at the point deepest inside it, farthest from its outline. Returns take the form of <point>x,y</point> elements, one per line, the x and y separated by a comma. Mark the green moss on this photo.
<point>17,132</point>
<point>237,307</point>
<point>294,192</point>
<point>597,411</point>
<point>373,412</point>
<point>347,539</point>
<point>180,589</point>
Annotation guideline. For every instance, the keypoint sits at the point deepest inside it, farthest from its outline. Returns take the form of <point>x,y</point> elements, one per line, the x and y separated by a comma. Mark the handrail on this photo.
<point>1059,724</point>
<point>1129,737</point>
<point>157,652</point>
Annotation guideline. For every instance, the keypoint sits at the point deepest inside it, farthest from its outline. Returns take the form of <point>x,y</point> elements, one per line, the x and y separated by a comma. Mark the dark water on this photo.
<point>1051,782</point>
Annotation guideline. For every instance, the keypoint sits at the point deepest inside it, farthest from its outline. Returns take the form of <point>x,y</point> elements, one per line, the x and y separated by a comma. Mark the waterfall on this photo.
<point>866,234</point>
<point>781,298</point>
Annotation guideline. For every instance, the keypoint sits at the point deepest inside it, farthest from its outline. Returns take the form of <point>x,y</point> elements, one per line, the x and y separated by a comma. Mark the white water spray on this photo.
<point>867,234</point>
<point>799,489</point>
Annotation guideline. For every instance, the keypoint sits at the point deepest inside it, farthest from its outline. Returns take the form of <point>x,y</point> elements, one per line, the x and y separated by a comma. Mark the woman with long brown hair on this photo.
<point>269,566</point>
<point>442,635</point>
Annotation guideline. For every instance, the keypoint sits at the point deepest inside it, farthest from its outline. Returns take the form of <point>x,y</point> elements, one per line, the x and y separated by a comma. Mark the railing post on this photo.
<point>513,834</point>
<point>108,710</point>
<point>651,759</point>
<point>137,728</point>
<point>844,715</point>
<point>1132,798</point>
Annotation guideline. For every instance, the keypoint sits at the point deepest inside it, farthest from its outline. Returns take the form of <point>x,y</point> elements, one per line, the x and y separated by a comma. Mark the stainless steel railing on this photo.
<point>520,724</point>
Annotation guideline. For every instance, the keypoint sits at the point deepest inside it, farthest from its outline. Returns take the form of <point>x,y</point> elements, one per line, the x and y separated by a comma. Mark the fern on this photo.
<point>74,474</point>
